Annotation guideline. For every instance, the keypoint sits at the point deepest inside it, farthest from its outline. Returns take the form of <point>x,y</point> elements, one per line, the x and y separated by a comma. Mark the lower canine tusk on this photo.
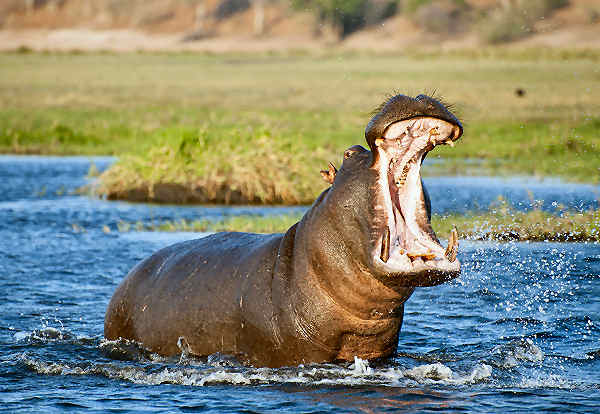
<point>385,245</point>
<point>452,247</point>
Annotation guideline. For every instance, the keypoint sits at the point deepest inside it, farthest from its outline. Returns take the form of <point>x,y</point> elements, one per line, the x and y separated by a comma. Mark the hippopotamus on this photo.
<point>329,289</point>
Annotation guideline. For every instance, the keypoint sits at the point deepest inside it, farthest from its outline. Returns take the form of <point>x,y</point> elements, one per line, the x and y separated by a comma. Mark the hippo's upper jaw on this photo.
<point>405,247</point>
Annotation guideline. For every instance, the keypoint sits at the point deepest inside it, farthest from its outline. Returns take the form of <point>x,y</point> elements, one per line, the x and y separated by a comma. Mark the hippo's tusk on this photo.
<point>452,248</point>
<point>385,245</point>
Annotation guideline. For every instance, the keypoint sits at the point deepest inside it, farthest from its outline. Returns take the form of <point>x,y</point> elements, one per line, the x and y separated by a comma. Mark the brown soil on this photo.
<point>172,193</point>
<point>173,25</point>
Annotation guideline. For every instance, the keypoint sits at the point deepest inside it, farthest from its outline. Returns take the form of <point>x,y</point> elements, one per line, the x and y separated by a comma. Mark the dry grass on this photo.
<point>230,167</point>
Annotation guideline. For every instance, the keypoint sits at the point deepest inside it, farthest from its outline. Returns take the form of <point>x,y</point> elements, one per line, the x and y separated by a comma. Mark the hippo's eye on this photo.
<point>353,150</point>
<point>348,153</point>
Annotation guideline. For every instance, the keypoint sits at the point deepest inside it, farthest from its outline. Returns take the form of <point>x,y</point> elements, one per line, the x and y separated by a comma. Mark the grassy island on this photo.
<point>191,128</point>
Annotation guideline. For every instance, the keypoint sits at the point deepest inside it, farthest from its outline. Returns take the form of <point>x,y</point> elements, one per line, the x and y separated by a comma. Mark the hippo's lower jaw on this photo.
<point>407,248</point>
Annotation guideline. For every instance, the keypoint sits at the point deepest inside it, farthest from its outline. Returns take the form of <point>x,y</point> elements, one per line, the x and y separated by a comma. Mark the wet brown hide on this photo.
<point>331,288</point>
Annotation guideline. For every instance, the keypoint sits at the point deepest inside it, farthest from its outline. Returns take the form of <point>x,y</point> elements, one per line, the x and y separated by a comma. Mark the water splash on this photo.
<point>213,373</point>
<point>511,354</point>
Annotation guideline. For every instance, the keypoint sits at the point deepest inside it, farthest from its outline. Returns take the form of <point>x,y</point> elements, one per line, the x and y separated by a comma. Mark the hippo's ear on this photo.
<point>329,175</point>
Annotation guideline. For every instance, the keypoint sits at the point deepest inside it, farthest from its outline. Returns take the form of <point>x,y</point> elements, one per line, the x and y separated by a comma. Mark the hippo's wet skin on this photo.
<point>331,288</point>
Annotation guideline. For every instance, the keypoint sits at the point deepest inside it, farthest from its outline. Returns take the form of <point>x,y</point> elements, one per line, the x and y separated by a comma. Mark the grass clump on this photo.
<point>229,166</point>
<point>507,224</point>
<point>502,223</point>
<point>243,223</point>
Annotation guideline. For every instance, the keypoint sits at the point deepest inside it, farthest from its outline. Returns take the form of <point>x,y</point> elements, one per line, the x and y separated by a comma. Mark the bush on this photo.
<point>517,21</point>
<point>411,6</point>
<point>444,17</point>
<point>348,15</point>
<point>227,8</point>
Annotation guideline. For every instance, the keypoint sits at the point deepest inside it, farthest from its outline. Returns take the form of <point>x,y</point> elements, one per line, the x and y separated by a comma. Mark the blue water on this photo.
<point>520,330</point>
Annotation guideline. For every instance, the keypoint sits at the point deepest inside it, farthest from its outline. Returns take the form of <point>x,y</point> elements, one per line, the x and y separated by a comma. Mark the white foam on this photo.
<point>440,373</point>
<point>548,381</point>
<point>45,334</point>
<point>435,371</point>
<point>21,336</point>
<point>514,353</point>
<point>359,373</point>
<point>361,366</point>
<point>479,373</point>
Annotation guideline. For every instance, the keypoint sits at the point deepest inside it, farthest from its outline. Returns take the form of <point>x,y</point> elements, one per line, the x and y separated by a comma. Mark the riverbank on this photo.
<point>502,224</point>
<point>257,128</point>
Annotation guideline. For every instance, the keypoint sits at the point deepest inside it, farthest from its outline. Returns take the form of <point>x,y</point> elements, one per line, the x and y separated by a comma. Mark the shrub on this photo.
<point>517,21</point>
<point>348,16</point>
<point>227,8</point>
<point>446,16</point>
<point>411,6</point>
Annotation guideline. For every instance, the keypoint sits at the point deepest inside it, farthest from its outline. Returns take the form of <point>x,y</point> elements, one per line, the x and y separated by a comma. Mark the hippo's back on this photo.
<point>192,292</point>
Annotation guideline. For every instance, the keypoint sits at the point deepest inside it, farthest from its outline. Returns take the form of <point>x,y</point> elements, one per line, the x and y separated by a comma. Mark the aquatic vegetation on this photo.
<point>245,223</point>
<point>502,223</point>
<point>505,224</point>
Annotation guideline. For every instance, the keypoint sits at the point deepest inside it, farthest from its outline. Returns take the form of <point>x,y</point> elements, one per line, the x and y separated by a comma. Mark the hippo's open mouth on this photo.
<point>407,245</point>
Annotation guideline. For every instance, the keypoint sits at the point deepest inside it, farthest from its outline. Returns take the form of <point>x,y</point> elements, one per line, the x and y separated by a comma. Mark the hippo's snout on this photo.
<point>406,247</point>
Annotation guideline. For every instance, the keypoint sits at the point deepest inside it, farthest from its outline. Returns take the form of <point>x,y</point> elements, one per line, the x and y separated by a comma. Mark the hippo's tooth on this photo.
<point>385,245</point>
<point>428,255</point>
<point>452,248</point>
<point>399,180</point>
<point>450,142</point>
<point>433,133</point>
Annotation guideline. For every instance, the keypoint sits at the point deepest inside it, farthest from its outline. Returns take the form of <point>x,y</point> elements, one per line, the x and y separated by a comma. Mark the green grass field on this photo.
<point>258,128</point>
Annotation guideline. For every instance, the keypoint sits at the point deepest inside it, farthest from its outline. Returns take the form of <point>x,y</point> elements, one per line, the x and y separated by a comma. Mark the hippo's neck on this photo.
<point>334,302</point>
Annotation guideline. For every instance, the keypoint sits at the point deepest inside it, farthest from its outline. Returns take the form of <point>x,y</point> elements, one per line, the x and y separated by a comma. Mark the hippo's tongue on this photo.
<point>408,237</point>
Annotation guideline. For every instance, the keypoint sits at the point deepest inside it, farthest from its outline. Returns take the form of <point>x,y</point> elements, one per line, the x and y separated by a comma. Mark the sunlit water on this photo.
<point>520,330</point>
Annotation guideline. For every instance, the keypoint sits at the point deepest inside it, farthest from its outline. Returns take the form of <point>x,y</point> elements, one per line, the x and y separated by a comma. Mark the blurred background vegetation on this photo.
<point>490,21</point>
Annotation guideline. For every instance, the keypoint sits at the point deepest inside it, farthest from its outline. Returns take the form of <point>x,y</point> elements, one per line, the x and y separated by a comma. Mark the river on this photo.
<point>519,330</point>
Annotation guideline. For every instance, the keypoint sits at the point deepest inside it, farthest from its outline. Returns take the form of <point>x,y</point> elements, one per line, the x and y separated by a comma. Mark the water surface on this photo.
<point>520,330</point>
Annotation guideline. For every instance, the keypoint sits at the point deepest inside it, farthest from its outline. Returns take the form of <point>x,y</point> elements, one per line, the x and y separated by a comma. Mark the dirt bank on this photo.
<point>233,26</point>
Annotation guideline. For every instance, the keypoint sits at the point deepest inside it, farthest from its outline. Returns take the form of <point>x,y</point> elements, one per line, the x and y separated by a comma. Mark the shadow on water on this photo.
<point>383,399</point>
